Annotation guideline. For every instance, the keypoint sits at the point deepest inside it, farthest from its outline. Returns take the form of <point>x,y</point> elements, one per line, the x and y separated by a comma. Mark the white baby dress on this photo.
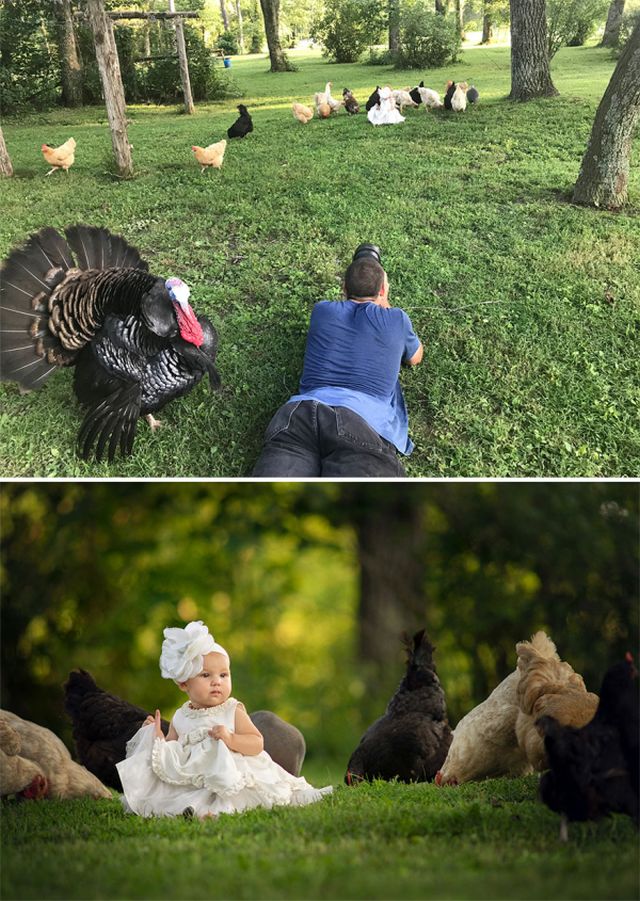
<point>163,778</point>
<point>385,112</point>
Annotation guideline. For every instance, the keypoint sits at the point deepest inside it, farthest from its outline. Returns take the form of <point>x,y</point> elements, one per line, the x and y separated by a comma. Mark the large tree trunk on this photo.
<point>611,34</point>
<point>394,25</point>
<point>182,60</point>
<point>109,67</point>
<point>70,68</point>
<point>530,75</point>
<point>441,7</point>
<point>5,160</point>
<point>460,16</point>
<point>271,15</point>
<point>487,22</point>
<point>391,555</point>
<point>604,174</point>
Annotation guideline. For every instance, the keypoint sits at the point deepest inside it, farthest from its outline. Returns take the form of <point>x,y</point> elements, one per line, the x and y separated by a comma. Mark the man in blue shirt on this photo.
<point>349,418</point>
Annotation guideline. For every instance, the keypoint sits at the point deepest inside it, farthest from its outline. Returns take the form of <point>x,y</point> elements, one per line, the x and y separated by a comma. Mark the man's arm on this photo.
<point>416,358</point>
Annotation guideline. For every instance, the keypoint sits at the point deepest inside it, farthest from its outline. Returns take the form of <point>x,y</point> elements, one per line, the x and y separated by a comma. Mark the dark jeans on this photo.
<point>309,438</point>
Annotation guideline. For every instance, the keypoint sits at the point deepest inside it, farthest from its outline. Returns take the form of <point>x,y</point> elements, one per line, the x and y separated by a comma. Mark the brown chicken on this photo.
<point>61,157</point>
<point>302,113</point>
<point>37,764</point>
<point>212,155</point>
<point>547,687</point>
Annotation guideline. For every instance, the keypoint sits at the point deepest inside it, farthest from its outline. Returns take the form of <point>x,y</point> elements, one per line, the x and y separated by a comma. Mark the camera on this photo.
<point>367,250</point>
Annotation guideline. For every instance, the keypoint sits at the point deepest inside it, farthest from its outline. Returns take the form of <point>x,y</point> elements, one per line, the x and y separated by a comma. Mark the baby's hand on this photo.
<point>221,733</point>
<point>158,724</point>
<point>150,720</point>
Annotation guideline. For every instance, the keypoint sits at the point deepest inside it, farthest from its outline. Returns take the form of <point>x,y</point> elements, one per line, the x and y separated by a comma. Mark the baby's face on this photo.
<point>212,686</point>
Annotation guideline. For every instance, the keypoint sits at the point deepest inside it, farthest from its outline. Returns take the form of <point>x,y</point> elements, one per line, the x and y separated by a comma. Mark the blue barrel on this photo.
<point>227,62</point>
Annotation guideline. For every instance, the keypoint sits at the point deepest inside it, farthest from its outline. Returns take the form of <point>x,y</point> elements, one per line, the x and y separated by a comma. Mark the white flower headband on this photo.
<point>183,651</point>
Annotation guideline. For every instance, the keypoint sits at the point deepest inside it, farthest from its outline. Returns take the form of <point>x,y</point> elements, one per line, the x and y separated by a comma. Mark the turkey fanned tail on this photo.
<point>111,422</point>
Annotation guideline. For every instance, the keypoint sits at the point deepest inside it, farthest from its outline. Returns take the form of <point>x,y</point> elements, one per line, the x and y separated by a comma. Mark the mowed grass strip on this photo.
<point>484,841</point>
<point>527,305</point>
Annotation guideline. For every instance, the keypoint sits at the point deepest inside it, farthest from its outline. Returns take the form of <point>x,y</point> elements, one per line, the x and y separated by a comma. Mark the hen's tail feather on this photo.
<point>97,248</point>
<point>112,420</point>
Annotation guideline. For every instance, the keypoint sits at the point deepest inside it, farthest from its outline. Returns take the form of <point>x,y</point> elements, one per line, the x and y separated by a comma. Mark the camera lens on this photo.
<point>368,250</point>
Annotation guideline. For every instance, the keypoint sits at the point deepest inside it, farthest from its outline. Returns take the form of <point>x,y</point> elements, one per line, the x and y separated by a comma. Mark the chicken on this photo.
<point>302,113</point>
<point>547,686</point>
<point>323,110</point>
<point>484,741</point>
<point>17,774</point>
<point>133,337</point>
<point>333,103</point>
<point>402,99</point>
<point>593,771</point>
<point>410,741</point>
<point>449,91</point>
<point>103,724</point>
<point>415,93</point>
<point>243,124</point>
<point>213,155</point>
<point>61,157</point>
<point>459,97</point>
<point>350,103</point>
<point>472,95</point>
<point>429,97</point>
<point>50,761</point>
<point>374,99</point>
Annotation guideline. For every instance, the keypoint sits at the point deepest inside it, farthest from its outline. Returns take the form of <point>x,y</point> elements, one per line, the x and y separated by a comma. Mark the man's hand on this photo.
<point>221,733</point>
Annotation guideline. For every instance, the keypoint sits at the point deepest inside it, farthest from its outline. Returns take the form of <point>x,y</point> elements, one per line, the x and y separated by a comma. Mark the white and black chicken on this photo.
<point>133,338</point>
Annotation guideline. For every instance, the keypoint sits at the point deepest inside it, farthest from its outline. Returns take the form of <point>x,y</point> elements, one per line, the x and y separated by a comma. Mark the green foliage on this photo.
<point>492,840</point>
<point>428,40</point>
<point>228,43</point>
<point>572,21</point>
<point>29,70</point>
<point>629,21</point>
<point>348,27</point>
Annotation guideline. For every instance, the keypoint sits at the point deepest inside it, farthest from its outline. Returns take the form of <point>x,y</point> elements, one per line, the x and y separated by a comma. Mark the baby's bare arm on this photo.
<point>245,740</point>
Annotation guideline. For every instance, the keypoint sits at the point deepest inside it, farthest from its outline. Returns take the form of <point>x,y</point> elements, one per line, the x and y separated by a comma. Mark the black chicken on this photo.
<point>410,742</point>
<point>451,89</point>
<point>103,724</point>
<point>350,103</point>
<point>243,124</point>
<point>374,99</point>
<point>414,93</point>
<point>593,771</point>
<point>132,336</point>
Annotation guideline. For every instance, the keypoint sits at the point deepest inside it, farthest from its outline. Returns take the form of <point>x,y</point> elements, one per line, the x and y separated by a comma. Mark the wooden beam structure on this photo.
<point>183,62</point>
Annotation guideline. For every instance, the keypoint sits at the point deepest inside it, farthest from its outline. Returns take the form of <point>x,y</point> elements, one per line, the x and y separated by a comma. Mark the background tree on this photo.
<point>70,67</point>
<point>487,22</point>
<point>5,160</point>
<point>530,74</point>
<point>570,22</point>
<point>348,27</point>
<point>394,25</point>
<point>604,174</point>
<point>613,25</point>
<point>271,15</point>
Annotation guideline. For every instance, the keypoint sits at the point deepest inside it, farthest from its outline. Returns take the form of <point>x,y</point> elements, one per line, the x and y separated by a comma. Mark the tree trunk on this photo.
<point>460,16</point>
<point>441,7</point>
<point>109,67</point>
<point>487,29</point>
<point>530,75</point>
<point>394,25</point>
<point>5,160</point>
<point>271,15</point>
<point>604,174</point>
<point>225,17</point>
<point>147,39</point>
<point>390,537</point>
<point>240,31</point>
<point>70,68</point>
<point>611,35</point>
<point>184,64</point>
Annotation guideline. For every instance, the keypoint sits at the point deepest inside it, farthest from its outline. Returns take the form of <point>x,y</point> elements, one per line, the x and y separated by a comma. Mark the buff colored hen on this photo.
<point>302,113</point>
<point>212,155</point>
<point>61,157</point>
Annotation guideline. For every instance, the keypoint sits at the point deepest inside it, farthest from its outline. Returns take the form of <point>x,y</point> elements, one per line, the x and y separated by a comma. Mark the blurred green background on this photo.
<point>309,587</point>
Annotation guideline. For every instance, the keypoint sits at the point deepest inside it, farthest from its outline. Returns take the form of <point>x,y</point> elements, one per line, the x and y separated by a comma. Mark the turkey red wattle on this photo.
<point>190,328</point>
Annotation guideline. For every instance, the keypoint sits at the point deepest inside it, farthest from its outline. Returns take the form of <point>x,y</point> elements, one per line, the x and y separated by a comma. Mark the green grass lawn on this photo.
<point>486,841</point>
<point>527,305</point>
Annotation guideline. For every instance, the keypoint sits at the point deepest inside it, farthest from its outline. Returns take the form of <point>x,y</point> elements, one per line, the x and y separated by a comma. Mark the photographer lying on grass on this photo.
<point>349,418</point>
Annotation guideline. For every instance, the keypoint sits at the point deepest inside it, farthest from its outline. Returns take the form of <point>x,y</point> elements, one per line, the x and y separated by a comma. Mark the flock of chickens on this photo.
<point>455,99</point>
<point>540,718</point>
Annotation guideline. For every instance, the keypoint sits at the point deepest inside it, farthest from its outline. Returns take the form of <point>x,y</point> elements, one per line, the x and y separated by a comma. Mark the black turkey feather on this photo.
<point>89,301</point>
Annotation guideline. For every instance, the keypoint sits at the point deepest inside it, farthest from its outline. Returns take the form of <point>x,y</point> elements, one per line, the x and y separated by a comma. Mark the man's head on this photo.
<point>365,279</point>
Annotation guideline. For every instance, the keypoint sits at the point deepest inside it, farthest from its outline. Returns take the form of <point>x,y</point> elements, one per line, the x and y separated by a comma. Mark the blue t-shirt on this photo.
<point>353,356</point>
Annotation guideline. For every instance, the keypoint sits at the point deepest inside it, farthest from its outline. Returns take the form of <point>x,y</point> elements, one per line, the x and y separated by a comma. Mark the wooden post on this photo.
<point>109,67</point>
<point>184,65</point>
<point>5,160</point>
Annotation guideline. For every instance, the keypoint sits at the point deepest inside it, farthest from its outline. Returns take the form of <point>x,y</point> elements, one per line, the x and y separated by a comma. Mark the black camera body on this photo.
<point>367,250</point>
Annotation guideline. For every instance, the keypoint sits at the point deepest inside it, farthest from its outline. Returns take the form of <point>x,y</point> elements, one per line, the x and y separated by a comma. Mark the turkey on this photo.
<point>411,740</point>
<point>133,338</point>
<point>103,724</point>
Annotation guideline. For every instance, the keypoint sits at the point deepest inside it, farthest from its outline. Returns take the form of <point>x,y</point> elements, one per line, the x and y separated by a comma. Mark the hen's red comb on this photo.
<point>628,657</point>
